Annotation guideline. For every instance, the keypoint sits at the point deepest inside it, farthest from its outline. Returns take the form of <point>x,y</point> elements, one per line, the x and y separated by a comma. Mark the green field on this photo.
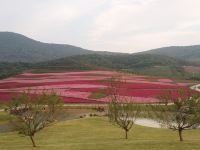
<point>101,93</point>
<point>98,134</point>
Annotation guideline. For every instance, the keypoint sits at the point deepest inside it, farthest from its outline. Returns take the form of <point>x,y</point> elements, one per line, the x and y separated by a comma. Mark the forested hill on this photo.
<point>186,53</point>
<point>117,61</point>
<point>143,63</point>
<point>146,64</point>
<point>15,48</point>
<point>19,48</point>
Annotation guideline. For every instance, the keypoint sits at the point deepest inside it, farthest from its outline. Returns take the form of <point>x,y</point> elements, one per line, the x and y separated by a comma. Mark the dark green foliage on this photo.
<point>140,64</point>
<point>10,69</point>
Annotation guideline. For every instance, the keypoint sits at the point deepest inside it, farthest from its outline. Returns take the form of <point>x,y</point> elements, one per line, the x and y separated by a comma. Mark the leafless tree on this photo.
<point>166,97</point>
<point>123,114</point>
<point>182,115</point>
<point>121,111</point>
<point>34,112</point>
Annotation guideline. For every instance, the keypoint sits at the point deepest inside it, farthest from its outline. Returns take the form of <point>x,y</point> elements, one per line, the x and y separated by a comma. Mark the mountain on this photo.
<point>41,57</point>
<point>19,48</point>
<point>186,53</point>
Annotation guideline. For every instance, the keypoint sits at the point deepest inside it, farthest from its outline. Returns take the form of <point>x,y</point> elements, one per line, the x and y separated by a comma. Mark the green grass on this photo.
<point>99,134</point>
<point>4,116</point>
<point>101,93</point>
<point>162,71</point>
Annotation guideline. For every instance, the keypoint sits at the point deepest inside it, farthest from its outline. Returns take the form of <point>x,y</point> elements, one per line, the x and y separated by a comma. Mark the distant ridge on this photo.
<point>186,53</point>
<point>15,47</point>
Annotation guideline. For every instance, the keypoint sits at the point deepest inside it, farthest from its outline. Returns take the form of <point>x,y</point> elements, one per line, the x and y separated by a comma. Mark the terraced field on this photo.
<point>90,86</point>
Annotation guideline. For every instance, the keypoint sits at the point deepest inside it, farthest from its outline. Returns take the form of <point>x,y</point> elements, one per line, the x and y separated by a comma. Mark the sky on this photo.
<point>105,25</point>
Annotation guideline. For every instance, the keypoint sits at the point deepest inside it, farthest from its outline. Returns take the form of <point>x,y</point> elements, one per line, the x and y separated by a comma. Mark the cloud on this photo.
<point>146,25</point>
<point>114,25</point>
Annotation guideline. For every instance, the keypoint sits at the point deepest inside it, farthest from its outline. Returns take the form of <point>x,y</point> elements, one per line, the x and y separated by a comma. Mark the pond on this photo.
<point>147,123</point>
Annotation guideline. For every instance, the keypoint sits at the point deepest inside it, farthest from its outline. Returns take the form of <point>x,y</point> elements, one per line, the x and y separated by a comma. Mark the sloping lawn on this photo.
<point>99,134</point>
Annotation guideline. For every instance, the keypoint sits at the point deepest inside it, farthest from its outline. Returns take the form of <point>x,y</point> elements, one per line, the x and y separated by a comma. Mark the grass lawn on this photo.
<point>4,116</point>
<point>99,134</point>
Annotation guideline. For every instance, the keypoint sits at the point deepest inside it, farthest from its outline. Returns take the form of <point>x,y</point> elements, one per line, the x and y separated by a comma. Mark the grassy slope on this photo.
<point>98,134</point>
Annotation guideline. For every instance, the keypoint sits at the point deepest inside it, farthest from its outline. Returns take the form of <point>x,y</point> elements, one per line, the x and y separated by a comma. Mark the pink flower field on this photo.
<point>77,87</point>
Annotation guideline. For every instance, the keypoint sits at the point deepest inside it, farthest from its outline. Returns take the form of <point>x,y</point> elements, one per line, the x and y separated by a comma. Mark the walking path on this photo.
<point>196,87</point>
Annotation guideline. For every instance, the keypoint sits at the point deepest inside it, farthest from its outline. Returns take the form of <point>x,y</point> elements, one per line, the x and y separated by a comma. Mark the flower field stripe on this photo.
<point>76,87</point>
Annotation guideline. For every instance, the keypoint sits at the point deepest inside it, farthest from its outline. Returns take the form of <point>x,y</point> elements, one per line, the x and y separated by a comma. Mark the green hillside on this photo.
<point>146,64</point>
<point>18,48</point>
<point>142,64</point>
<point>41,57</point>
<point>186,53</point>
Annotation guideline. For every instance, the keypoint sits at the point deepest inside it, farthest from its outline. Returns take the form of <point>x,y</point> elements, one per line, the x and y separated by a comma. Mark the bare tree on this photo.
<point>19,104</point>
<point>166,97</point>
<point>121,111</point>
<point>182,115</point>
<point>51,101</point>
<point>31,122</point>
<point>124,115</point>
<point>34,112</point>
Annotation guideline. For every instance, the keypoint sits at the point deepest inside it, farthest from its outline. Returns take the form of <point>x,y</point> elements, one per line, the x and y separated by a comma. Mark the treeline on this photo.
<point>10,69</point>
<point>146,64</point>
<point>140,64</point>
<point>117,61</point>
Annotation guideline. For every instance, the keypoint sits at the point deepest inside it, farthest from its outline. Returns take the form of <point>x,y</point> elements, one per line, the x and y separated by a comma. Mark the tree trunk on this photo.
<point>32,140</point>
<point>180,135</point>
<point>126,134</point>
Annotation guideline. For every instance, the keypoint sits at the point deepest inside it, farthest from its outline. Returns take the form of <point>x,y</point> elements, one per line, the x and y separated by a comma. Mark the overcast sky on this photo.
<point>111,25</point>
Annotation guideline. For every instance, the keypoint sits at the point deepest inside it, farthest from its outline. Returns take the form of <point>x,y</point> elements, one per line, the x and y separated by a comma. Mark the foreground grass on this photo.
<point>99,134</point>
